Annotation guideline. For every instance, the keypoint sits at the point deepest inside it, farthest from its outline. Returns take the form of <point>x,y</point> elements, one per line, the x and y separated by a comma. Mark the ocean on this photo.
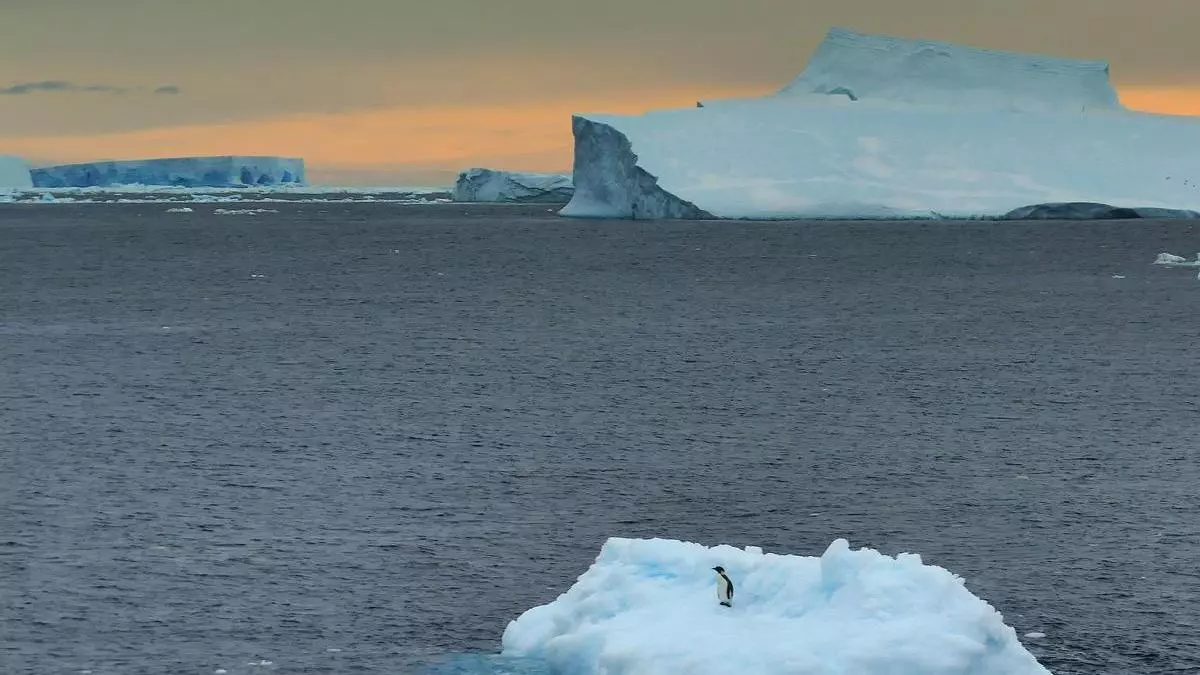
<point>346,438</point>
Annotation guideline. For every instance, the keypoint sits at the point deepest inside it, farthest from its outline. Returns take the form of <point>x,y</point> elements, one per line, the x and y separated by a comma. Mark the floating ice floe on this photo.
<point>242,212</point>
<point>1172,260</point>
<point>650,607</point>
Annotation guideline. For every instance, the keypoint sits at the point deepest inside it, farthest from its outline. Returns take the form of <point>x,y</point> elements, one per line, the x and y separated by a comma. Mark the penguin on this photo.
<point>724,587</point>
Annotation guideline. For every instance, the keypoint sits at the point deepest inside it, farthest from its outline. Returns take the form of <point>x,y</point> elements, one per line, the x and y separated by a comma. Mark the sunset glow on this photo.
<point>428,144</point>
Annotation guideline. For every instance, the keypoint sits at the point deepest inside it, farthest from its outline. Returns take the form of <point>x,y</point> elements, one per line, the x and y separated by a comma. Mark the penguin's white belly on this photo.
<point>724,593</point>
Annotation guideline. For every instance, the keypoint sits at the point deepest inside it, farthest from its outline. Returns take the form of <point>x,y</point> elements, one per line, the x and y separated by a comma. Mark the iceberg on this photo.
<point>228,171</point>
<point>488,185</point>
<point>648,606</point>
<point>14,173</point>
<point>883,127</point>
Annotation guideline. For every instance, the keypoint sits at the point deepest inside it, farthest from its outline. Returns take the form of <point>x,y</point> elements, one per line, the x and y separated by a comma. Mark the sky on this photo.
<point>408,92</point>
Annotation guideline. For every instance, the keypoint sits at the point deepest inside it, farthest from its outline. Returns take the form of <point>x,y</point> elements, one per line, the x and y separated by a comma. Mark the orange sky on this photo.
<point>427,145</point>
<point>395,145</point>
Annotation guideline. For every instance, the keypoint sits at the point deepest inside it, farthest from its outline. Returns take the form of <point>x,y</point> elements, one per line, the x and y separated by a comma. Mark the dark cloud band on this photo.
<point>62,86</point>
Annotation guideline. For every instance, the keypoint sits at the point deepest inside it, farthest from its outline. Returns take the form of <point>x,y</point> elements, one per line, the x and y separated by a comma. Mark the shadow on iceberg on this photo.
<point>649,606</point>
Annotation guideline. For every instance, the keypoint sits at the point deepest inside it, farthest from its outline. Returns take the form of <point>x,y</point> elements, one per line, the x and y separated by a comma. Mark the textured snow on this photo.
<point>14,173</point>
<point>649,607</point>
<point>930,130</point>
<point>488,185</point>
<point>228,171</point>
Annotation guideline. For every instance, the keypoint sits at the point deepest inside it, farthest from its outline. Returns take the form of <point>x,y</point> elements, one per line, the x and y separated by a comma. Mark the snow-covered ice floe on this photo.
<point>488,185</point>
<point>881,127</point>
<point>650,607</point>
<point>1172,260</point>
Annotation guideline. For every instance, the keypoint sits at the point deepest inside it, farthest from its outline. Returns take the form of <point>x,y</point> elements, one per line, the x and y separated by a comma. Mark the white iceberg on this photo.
<point>649,607</point>
<point>225,171</point>
<point>488,185</point>
<point>890,128</point>
<point>14,173</point>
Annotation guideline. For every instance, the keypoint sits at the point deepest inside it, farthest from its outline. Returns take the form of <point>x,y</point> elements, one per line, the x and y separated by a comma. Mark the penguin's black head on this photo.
<point>719,569</point>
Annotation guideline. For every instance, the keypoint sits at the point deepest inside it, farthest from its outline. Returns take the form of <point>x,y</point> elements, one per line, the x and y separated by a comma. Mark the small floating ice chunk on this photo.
<point>650,606</point>
<point>258,276</point>
<point>263,662</point>
<point>1118,276</point>
<point>1172,260</point>
<point>220,671</point>
<point>333,649</point>
<point>242,212</point>
<point>1035,635</point>
<point>183,209</point>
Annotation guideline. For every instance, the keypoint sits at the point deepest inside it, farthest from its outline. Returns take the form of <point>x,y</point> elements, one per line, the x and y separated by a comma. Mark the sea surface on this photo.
<point>362,438</point>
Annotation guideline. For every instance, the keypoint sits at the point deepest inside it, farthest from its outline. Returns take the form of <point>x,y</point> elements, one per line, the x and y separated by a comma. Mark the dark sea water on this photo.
<point>420,421</point>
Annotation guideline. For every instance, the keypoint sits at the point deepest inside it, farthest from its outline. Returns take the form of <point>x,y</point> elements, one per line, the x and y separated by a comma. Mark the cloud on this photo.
<point>64,86</point>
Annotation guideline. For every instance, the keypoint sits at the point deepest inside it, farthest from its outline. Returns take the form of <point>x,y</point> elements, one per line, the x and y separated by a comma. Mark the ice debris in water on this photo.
<point>242,212</point>
<point>649,606</point>
<point>1172,260</point>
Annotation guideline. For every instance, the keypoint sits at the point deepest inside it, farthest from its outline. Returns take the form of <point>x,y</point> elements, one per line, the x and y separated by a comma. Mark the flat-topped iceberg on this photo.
<point>14,173</point>
<point>488,185</point>
<point>649,607</point>
<point>226,171</point>
<point>881,127</point>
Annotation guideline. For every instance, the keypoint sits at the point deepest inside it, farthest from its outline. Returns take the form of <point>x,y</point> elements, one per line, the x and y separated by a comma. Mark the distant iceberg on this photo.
<point>14,173</point>
<point>228,171</point>
<point>488,185</point>
<point>649,607</point>
<point>882,127</point>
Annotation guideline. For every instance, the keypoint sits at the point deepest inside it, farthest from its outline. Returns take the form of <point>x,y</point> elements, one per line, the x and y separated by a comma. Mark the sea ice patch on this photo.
<point>649,606</point>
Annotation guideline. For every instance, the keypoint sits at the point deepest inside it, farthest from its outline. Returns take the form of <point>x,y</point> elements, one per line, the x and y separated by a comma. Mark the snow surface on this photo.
<point>867,66</point>
<point>932,130</point>
<point>488,185</point>
<point>229,171</point>
<point>14,173</point>
<point>650,607</point>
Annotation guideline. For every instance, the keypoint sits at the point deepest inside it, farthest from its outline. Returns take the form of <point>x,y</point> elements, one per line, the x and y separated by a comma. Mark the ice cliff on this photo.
<point>891,128</point>
<point>229,171</point>
<point>14,173</point>
<point>650,607</point>
<point>487,185</point>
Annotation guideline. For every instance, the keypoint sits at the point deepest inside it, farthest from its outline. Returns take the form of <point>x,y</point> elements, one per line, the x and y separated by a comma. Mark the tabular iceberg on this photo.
<point>14,173</point>
<point>487,185</point>
<point>228,171</point>
<point>884,127</point>
<point>648,607</point>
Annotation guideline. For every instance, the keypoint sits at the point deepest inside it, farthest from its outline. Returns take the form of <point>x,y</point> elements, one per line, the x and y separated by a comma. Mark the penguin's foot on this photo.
<point>726,604</point>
